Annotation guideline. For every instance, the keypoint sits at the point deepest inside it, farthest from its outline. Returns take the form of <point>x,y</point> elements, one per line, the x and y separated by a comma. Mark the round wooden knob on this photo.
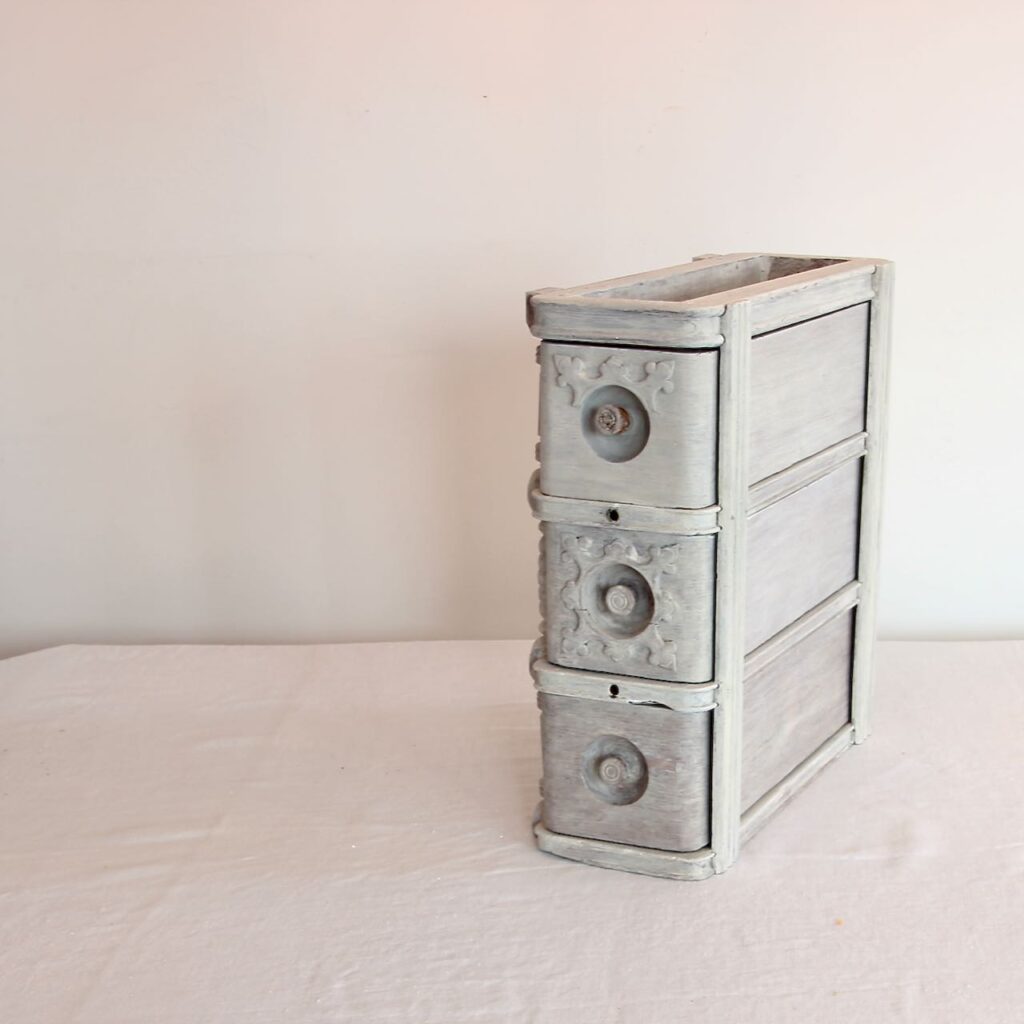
<point>611,420</point>
<point>614,770</point>
<point>620,599</point>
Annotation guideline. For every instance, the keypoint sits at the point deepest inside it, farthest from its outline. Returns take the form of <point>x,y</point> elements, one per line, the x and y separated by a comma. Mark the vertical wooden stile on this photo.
<point>871,502</point>
<point>730,587</point>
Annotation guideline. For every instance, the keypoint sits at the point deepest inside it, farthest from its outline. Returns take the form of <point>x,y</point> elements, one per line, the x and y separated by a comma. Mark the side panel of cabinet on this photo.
<point>807,388</point>
<point>801,550</point>
<point>794,704</point>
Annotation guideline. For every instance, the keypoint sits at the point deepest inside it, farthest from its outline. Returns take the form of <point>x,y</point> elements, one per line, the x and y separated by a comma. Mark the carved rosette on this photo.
<point>583,637</point>
<point>645,379</point>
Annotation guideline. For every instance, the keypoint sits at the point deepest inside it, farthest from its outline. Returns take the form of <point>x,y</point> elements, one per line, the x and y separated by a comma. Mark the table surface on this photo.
<point>342,833</point>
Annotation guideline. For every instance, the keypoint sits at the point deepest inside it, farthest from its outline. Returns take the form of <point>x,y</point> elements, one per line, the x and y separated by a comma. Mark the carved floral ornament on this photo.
<point>645,379</point>
<point>583,636</point>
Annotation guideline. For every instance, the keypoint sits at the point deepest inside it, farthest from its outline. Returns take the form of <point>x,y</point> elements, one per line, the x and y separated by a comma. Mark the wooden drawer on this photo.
<point>626,773</point>
<point>629,602</point>
<point>620,424</point>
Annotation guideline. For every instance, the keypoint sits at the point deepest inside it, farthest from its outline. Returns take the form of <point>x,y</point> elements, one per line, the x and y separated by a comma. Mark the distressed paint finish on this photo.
<point>708,594</point>
<point>731,585</point>
<point>671,814</point>
<point>871,501</point>
<point>807,386</point>
<point>793,705</point>
<point>676,394</point>
<point>667,637</point>
<point>682,307</point>
<point>800,550</point>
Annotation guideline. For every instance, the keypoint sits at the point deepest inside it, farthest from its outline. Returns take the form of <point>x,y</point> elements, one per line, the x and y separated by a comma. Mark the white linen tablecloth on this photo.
<point>342,833</point>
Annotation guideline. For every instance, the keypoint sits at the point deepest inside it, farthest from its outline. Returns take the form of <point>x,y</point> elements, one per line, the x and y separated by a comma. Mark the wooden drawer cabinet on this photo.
<point>709,494</point>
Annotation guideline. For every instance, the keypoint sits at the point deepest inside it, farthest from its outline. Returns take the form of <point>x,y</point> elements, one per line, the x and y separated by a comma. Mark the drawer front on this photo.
<point>626,773</point>
<point>628,425</point>
<point>622,601</point>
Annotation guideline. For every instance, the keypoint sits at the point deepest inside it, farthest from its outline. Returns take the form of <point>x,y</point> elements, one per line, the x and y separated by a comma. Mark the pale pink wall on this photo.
<point>264,370</point>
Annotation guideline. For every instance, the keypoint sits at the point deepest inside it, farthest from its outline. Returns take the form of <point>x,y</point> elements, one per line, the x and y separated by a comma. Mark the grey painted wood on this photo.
<point>832,607</point>
<point>674,396</point>
<point>690,867</point>
<point>681,307</point>
<point>795,704</point>
<point>623,321</point>
<point>666,582</point>
<point>730,583</point>
<point>602,686</point>
<point>807,388</point>
<point>758,814</point>
<point>718,272</point>
<point>809,295</point>
<point>775,575</point>
<point>621,515</point>
<point>625,773</point>
<point>871,501</point>
<point>800,550</point>
<point>780,485</point>
<point>708,278</point>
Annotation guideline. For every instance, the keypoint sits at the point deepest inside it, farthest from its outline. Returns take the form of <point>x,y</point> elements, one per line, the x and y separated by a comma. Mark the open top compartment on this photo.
<point>704,277</point>
<point>683,306</point>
